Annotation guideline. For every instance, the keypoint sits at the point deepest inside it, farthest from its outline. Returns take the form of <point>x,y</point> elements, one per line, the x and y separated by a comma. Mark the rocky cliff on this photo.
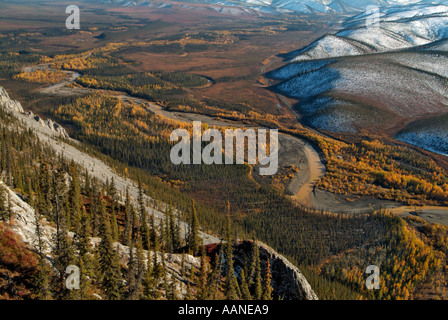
<point>8,103</point>
<point>15,106</point>
<point>288,281</point>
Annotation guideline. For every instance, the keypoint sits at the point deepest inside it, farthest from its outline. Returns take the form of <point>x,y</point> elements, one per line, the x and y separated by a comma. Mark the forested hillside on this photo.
<point>80,221</point>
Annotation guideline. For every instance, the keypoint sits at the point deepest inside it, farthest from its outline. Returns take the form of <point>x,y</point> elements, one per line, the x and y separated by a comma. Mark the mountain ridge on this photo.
<point>292,6</point>
<point>375,79</point>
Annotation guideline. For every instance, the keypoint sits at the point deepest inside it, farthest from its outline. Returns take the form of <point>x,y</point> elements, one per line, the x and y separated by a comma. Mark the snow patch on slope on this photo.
<point>296,69</point>
<point>399,28</point>
<point>430,139</point>
<point>310,84</point>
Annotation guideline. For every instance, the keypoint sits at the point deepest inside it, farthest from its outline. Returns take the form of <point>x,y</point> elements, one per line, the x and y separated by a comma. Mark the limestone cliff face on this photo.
<point>12,105</point>
<point>6,102</point>
<point>53,126</point>
<point>288,281</point>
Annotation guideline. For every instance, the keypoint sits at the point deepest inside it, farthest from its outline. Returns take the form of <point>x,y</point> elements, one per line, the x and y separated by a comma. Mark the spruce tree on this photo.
<point>74,196</point>
<point>44,190</point>
<point>145,231</point>
<point>131,272</point>
<point>62,249</point>
<point>42,279</point>
<point>136,271</point>
<point>258,288</point>
<point>9,208</point>
<point>108,259</point>
<point>267,288</point>
<point>114,222</point>
<point>112,190</point>
<point>39,243</point>
<point>193,237</point>
<point>231,279</point>
<point>253,263</point>
<point>245,293</point>
<point>157,269</point>
<point>148,281</point>
<point>9,163</point>
<point>4,214</point>
<point>127,233</point>
<point>203,291</point>
<point>168,235</point>
<point>182,265</point>
<point>143,217</point>
<point>62,256</point>
<point>215,279</point>
<point>82,244</point>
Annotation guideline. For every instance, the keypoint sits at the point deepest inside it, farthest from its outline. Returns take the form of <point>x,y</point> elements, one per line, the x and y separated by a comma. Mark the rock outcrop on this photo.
<point>53,126</point>
<point>7,103</point>
<point>15,106</point>
<point>288,281</point>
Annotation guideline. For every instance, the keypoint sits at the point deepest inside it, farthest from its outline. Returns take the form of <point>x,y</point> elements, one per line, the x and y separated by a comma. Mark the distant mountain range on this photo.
<point>391,79</point>
<point>400,27</point>
<point>294,6</point>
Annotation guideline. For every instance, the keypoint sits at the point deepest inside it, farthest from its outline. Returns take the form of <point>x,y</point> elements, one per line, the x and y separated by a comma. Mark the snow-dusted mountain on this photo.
<point>316,6</point>
<point>398,29</point>
<point>391,79</point>
<point>293,6</point>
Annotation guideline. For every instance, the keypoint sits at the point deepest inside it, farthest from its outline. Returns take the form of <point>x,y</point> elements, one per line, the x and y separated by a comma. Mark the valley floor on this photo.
<point>292,151</point>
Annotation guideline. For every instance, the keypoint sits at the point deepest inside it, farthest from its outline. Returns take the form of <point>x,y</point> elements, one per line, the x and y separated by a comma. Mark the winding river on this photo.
<point>292,151</point>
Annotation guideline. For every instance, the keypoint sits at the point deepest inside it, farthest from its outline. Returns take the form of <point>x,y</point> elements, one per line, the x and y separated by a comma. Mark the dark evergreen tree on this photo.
<point>149,280</point>
<point>215,278</point>
<point>42,279</point>
<point>111,279</point>
<point>62,252</point>
<point>203,291</point>
<point>143,217</point>
<point>245,293</point>
<point>267,288</point>
<point>82,244</point>
<point>74,196</point>
<point>232,288</point>
<point>4,212</point>
<point>193,235</point>
<point>114,222</point>
<point>256,272</point>
<point>127,233</point>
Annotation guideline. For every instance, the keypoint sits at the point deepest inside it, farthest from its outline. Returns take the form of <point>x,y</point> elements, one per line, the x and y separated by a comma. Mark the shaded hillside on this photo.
<point>379,79</point>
